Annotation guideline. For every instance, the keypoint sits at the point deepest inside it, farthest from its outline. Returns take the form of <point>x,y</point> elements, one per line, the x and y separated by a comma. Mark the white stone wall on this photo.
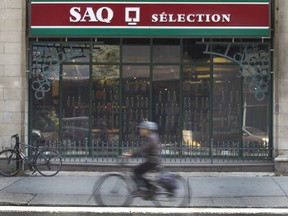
<point>281,79</point>
<point>13,76</point>
<point>280,123</point>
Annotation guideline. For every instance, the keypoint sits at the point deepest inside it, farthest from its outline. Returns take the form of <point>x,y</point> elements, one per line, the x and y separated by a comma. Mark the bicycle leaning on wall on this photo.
<point>115,189</point>
<point>47,162</point>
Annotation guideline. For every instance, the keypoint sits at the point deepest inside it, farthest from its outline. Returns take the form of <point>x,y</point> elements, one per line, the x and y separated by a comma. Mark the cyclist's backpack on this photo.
<point>168,180</point>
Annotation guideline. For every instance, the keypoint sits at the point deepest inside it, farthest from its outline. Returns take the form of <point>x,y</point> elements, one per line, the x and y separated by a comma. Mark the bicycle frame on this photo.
<point>21,154</point>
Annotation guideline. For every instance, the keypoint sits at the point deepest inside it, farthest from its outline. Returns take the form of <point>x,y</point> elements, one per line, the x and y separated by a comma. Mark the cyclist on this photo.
<point>151,151</point>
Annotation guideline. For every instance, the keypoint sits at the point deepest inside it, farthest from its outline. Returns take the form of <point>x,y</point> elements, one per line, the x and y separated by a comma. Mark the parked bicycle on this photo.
<point>47,162</point>
<point>115,189</point>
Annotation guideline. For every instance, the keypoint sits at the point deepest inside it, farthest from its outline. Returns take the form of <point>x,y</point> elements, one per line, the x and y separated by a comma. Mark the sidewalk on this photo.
<point>207,190</point>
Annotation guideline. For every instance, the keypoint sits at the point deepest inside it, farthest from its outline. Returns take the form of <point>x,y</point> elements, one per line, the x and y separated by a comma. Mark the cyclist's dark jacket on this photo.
<point>150,148</point>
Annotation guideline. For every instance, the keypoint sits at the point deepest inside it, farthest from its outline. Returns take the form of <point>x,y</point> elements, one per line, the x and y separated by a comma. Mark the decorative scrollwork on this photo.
<point>254,64</point>
<point>46,65</point>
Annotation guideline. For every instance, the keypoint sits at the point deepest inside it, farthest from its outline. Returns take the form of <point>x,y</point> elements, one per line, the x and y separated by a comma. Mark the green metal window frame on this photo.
<point>181,64</point>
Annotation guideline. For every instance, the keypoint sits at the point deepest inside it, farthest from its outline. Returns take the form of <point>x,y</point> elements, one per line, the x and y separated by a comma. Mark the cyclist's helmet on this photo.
<point>148,125</point>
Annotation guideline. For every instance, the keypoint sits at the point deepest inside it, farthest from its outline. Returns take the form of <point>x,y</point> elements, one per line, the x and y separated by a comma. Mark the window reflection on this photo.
<point>75,104</point>
<point>77,53</point>
<point>106,53</point>
<point>45,113</point>
<point>136,53</point>
<point>166,51</point>
<point>45,99</point>
<point>105,107</point>
<point>136,50</point>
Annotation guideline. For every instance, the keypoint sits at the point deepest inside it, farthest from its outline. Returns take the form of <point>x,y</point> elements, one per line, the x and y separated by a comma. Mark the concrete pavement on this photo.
<point>263,192</point>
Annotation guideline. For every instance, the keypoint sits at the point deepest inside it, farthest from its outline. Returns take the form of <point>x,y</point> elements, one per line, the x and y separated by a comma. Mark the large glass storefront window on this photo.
<point>207,97</point>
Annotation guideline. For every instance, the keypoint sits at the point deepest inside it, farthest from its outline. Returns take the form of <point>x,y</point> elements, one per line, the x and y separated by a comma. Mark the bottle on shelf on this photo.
<point>73,102</point>
<point>79,101</point>
<point>68,103</point>
<point>127,88</point>
<point>231,97</point>
<point>168,96</point>
<point>146,102</point>
<point>160,96</point>
<point>174,97</point>
<point>110,95</point>
<point>196,103</point>
<point>185,102</point>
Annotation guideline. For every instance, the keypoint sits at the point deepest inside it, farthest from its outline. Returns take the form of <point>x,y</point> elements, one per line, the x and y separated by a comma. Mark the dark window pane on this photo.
<point>227,104</point>
<point>166,92</point>
<point>193,52</point>
<point>196,95</point>
<point>135,102</point>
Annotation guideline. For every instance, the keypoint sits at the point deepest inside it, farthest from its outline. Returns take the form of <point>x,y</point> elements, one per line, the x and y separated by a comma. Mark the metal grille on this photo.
<point>209,152</point>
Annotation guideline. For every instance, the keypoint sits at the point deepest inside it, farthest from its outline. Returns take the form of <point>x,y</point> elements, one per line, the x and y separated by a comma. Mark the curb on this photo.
<point>174,167</point>
<point>89,211</point>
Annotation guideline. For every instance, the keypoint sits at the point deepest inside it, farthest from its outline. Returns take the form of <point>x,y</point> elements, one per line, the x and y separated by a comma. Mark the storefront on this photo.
<point>200,69</point>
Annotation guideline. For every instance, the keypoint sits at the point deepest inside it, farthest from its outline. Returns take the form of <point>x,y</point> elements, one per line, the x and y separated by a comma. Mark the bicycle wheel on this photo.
<point>178,197</point>
<point>10,162</point>
<point>48,162</point>
<point>113,190</point>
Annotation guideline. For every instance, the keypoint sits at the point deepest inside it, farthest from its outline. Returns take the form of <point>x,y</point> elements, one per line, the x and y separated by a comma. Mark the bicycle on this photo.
<point>115,189</point>
<point>46,162</point>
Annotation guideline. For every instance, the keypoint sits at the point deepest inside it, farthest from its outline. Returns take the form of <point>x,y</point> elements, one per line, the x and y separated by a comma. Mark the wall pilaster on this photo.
<point>281,87</point>
<point>13,87</point>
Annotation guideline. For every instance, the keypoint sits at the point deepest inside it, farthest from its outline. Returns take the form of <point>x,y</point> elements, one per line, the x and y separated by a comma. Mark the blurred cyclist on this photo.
<point>150,150</point>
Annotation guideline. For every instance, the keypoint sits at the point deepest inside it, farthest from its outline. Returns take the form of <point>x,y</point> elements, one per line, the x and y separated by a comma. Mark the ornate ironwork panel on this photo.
<point>46,63</point>
<point>253,59</point>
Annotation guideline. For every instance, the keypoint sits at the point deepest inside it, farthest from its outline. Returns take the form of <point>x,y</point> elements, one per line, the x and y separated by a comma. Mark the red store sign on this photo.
<point>232,18</point>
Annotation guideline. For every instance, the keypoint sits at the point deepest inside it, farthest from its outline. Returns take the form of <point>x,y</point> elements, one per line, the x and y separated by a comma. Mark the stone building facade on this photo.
<point>14,76</point>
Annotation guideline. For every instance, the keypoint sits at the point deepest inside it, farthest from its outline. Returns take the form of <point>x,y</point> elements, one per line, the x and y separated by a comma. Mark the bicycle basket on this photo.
<point>168,180</point>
